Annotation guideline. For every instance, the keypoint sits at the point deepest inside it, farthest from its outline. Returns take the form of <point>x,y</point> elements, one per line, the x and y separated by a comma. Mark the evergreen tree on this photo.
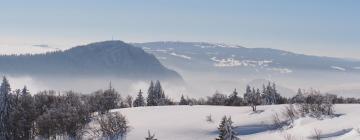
<point>139,101</point>
<point>233,99</point>
<point>156,95</point>
<point>299,97</point>
<point>226,130</point>
<point>4,109</point>
<point>129,101</point>
<point>151,98</point>
<point>252,97</point>
<point>28,113</point>
<point>183,101</point>
<point>270,94</point>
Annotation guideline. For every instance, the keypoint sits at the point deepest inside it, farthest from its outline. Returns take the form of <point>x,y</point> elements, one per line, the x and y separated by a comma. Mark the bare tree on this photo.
<point>113,126</point>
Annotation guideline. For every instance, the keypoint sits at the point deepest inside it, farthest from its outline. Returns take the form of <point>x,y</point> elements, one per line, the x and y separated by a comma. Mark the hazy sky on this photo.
<point>322,27</point>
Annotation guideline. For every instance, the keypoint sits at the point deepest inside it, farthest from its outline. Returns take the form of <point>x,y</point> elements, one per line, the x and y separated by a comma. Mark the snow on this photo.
<point>180,55</point>
<point>338,68</point>
<point>232,62</point>
<point>357,68</point>
<point>189,123</point>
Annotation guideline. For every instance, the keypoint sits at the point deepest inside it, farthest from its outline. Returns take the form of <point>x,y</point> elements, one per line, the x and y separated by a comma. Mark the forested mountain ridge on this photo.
<point>102,58</point>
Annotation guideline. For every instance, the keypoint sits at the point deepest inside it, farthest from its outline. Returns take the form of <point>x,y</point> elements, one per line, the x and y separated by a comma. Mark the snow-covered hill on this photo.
<point>224,67</point>
<point>189,123</point>
<point>218,55</point>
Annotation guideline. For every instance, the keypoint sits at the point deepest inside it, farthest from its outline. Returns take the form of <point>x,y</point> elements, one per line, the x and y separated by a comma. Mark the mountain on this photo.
<point>108,58</point>
<point>222,67</point>
<point>197,55</point>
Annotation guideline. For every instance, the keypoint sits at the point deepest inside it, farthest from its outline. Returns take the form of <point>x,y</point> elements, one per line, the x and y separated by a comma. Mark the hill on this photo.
<point>108,58</point>
<point>189,123</point>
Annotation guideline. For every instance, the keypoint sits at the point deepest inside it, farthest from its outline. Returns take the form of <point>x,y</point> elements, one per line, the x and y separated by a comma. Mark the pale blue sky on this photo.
<point>321,27</point>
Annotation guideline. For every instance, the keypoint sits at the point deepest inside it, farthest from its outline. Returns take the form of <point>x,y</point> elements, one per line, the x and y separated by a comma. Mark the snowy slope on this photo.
<point>188,123</point>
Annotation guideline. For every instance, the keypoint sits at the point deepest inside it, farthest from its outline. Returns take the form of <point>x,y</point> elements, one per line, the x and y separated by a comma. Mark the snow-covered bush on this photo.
<point>317,105</point>
<point>290,113</point>
<point>113,126</point>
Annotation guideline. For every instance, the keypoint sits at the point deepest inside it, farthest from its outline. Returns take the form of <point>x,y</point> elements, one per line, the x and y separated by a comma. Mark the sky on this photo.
<point>321,27</point>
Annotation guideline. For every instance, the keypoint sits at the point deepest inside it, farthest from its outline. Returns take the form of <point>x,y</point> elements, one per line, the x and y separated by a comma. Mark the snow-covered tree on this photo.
<point>113,125</point>
<point>252,97</point>
<point>234,99</point>
<point>299,97</point>
<point>151,98</point>
<point>217,99</point>
<point>4,109</point>
<point>129,101</point>
<point>140,100</point>
<point>226,130</point>
<point>270,94</point>
<point>156,95</point>
<point>183,101</point>
<point>22,115</point>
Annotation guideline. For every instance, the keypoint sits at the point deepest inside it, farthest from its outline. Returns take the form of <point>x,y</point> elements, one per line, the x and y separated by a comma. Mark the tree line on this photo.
<point>50,114</point>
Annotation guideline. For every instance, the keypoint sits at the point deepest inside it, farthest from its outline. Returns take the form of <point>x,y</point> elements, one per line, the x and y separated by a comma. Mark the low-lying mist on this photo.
<point>200,84</point>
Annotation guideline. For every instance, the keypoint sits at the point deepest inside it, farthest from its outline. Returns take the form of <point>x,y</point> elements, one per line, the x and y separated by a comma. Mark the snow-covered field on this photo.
<point>189,123</point>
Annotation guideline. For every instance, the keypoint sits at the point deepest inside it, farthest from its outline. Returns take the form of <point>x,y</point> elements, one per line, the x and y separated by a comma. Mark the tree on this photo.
<point>234,99</point>
<point>139,101</point>
<point>252,97</point>
<point>151,98</point>
<point>156,95</point>
<point>298,98</point>
<point>4,109</point>
<point>183,101</point>
<point>22,115</point>
<point>113,125</point>
<point>129,101</point>
<point>103,101</point>
<point>217,99</point>
<point>226,130</point>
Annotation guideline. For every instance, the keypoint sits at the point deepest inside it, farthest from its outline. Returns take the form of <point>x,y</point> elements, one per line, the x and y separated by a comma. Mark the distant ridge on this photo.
<point>107,58</point>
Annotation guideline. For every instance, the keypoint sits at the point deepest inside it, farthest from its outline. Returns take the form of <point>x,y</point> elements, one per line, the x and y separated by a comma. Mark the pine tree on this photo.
<point>4,109</point>
<point>252,97</point>
<point>221,128</point>
<point>28,112</point>
<point>129,101</point>
<point>139,101</point>
<point>156,95</point>
<point>226,130</point>
<point>151,98</point>
<point>183,101</point>
<point>233,99</point>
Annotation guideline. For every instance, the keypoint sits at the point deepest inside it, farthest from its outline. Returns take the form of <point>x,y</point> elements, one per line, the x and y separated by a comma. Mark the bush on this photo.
<point>113,125</point>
